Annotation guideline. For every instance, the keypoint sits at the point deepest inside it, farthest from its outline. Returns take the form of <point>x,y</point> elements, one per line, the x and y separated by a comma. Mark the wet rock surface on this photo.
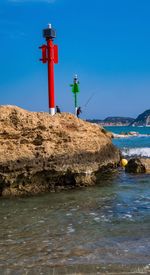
<point>138,165</point>
<point>42,153</point>
<point>135,166</point>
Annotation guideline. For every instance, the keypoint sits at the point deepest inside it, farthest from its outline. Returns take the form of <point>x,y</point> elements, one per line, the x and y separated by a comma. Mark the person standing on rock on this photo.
<point>79,111</point>
<point>58,109</point>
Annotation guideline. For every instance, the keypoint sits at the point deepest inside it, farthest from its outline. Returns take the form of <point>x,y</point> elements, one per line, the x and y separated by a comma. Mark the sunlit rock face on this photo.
<point>43,153</point>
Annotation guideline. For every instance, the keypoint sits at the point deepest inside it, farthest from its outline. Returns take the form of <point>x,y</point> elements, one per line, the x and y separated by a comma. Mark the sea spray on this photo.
<point>138,152</point>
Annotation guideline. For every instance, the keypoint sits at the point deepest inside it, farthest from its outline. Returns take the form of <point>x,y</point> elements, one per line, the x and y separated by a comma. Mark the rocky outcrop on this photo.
<point>41,153</point>
<point>138,165</point>
<point>126,134</point>
<point>146,163</point>
<point>135,166</point>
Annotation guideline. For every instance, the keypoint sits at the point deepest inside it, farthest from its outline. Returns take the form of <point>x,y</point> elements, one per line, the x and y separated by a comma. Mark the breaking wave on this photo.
<point>137,152</point>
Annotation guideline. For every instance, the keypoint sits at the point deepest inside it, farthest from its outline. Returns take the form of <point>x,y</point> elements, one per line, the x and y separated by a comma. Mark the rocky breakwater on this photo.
<point>42,153</point>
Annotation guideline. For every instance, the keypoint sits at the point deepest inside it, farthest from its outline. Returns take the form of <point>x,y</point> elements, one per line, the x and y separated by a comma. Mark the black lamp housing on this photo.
<point>49,33</point>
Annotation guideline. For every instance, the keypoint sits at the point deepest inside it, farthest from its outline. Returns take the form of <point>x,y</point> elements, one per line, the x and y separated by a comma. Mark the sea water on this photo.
<point>104,229</point>
<point>137,145</point>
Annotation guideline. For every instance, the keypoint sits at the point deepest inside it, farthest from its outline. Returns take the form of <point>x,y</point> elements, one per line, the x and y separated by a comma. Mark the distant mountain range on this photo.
<point>142,120</point>
<point>113,121</point>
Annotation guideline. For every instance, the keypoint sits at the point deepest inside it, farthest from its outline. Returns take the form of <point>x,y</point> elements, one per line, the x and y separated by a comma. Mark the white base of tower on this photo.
<point>52,111</point>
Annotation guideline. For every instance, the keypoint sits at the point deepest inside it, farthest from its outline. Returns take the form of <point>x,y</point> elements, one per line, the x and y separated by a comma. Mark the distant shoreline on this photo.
<point>114,125</point>
<point>143,120</point>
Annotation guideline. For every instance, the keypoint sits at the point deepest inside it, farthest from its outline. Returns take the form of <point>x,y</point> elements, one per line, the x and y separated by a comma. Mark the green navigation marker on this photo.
<point>75,90</point>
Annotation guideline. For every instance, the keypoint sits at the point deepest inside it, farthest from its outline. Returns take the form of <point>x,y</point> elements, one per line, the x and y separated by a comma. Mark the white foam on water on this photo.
<point>97,219</point>
<point>70,229</point>
<point>69,214</point>
<point>140,152</point>
<point>133,135</point>
<point>93,214</point>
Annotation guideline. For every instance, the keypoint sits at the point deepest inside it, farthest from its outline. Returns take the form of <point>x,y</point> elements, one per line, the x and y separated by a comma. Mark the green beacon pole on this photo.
<point>75,90</point>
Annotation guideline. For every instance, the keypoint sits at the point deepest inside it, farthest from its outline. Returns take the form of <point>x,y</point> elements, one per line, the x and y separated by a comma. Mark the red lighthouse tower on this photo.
<point>50,56</point>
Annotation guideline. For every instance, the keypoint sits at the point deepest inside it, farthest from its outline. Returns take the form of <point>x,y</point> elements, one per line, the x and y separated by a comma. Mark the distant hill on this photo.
<point>114,121</point>
<point>122,120</point>
<point>142,120</point>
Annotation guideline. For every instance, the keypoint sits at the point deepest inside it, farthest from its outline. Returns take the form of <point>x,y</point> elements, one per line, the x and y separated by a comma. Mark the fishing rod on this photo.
<point>89,99</point>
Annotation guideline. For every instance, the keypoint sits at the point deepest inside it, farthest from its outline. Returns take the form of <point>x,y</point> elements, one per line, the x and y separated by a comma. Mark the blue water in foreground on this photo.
<point>104,229</point>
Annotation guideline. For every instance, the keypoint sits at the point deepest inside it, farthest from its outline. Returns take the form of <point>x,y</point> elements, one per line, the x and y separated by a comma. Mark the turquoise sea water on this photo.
<point>133,146</point>
<point>104,229</point>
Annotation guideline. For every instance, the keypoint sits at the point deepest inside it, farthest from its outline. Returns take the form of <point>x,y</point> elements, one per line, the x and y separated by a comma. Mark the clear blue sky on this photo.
<point>105,42</point>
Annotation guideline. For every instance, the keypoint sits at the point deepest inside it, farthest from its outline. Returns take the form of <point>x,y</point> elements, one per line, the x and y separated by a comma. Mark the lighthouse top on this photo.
<point>49,33</point>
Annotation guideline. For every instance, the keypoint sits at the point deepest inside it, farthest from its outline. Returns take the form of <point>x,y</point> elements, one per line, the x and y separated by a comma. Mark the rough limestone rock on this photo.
<point>42,153</point>
<point>146,163</point>
<point>137,165</point>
